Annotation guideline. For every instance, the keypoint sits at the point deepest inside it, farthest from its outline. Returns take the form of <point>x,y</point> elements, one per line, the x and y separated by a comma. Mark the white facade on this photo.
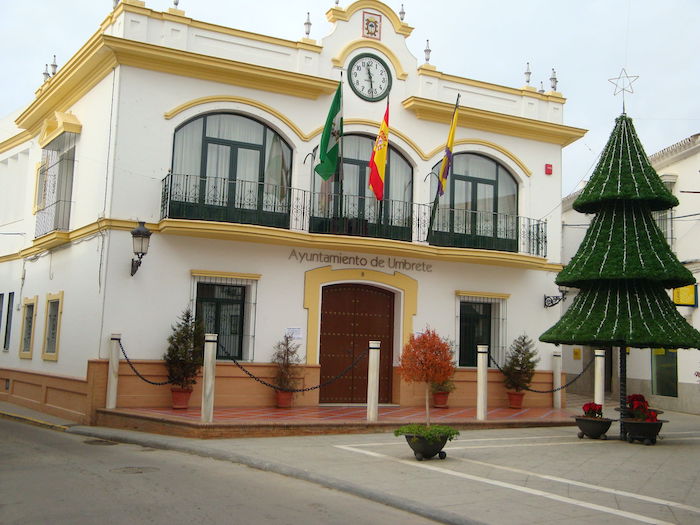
<point>143,75</point>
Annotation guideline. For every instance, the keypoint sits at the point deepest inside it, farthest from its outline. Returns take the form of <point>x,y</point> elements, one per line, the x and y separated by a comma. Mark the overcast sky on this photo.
<point>586,41</point>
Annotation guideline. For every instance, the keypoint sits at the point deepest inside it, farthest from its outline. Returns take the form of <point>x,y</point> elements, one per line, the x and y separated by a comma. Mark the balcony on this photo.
<point>54,217</point>
<point>247,202</point>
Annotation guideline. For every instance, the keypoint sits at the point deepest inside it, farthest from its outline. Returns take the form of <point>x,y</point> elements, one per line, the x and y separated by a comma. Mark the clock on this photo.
<point>369,77</point>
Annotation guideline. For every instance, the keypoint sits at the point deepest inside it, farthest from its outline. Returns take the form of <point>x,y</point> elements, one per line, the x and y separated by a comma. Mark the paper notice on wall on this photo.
<point>294,333</point>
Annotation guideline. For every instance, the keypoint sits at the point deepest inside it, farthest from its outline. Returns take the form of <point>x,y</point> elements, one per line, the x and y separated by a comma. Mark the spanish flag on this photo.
<point>377,162</point>
<point>446,165</point>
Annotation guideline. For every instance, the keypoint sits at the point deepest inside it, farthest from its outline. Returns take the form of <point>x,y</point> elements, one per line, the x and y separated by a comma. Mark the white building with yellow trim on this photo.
<point>209,134</point>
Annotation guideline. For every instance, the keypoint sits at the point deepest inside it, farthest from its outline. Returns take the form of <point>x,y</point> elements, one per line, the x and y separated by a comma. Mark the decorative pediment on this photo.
<point>57,124</point>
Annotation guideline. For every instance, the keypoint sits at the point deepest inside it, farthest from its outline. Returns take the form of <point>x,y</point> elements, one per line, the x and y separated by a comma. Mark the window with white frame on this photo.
<point>54,185</point>
<point>482,321</point>
<point>225,304</point>
<point>26,343</point>
<point>52,326</point>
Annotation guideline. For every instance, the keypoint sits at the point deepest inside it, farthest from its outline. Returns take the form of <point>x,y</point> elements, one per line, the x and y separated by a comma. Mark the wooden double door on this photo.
<point>352,315</point>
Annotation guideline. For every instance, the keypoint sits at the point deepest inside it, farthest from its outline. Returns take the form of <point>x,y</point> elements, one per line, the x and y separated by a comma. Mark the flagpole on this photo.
<point>340,170</point>
<point>433,212</point>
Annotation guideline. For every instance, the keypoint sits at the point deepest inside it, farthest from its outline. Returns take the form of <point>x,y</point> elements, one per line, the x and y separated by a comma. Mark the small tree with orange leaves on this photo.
<point>427,358</point>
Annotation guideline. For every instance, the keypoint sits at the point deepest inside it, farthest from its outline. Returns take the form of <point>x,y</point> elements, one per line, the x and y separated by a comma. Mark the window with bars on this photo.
<point>54,185</point>
<point>226,306</point>
<point>52,326</point>
<point>26,343</point>
<point>482,321</point>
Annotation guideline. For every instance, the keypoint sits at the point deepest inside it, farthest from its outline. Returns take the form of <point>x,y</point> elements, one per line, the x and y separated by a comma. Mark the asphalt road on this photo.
<point>50,477</point>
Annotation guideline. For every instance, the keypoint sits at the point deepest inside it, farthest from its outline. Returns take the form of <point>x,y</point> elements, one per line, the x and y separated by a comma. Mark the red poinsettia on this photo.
<point>638,408</point>
<point>593,410</point>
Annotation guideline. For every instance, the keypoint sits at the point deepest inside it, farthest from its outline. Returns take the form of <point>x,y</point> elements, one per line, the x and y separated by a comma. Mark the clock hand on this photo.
<point>369,74</point>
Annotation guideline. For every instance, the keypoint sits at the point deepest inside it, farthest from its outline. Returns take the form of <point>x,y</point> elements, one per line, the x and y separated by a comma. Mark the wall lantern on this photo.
<point>553,300</point>
<point>141,237</point>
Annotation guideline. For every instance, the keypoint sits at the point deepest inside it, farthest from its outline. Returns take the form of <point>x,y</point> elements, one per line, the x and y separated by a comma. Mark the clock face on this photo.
<point>369,76</point>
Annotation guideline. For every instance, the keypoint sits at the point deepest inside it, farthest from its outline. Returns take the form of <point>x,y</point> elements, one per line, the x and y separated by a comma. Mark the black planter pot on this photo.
<point>644,431</point>
<point>425,449</point>
<point>593,427</point>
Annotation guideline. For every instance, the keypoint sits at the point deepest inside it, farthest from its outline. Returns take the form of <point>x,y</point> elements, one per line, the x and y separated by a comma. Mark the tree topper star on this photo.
<point>623,82</point>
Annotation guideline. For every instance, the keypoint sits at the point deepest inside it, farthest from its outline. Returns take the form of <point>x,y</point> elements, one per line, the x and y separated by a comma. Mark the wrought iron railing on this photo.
<point>218,199</point>
<point>54,217</point>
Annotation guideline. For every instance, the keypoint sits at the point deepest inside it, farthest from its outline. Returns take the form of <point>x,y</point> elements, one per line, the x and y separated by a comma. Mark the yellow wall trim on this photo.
<point>551,96</point>
<point>247,101</point>
<point>315,279</point>
<point>341,57</point>
<point>488,144</point>
<point>57,124</point>
<point>336,14</point>
<point>485,295</point>
<point>494,122</point>
<point>226,275</point>
<point>12,142</point>
<point>52,356</point>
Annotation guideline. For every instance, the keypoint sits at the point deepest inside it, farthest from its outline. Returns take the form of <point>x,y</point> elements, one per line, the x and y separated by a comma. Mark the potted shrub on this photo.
<point>184,357</point>
<point>285,358</point>
<point>592,423</point>
<point>641,423</point>
<point>441,392</point>
<point>427,358</point>
<point>519,369</point>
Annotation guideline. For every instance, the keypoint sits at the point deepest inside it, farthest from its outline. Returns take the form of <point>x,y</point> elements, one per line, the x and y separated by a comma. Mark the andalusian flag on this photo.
<point>377,162</point>
<point>329,149</point>
<point>446,165</point>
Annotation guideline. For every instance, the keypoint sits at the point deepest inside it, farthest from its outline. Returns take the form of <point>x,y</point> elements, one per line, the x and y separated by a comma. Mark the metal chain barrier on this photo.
<point>156,383</point>
<point>562,387</point>
<point>270,385</point>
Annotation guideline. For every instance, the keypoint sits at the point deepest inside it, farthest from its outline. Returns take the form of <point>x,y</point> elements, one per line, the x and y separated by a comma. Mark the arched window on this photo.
<point>345,204</point>
<point>230,168</point>
<point>480,206</point>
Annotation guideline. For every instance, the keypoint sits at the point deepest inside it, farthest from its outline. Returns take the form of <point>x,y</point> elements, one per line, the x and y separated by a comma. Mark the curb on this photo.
<point>33,421</point>
<point>176,445</point>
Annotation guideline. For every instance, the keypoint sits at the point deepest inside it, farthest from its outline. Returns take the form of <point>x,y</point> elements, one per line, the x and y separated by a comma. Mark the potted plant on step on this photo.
<point>592,423</point>
<point>441,392</point>
<point>427,358</point>
<point>519,369</point>
<point>285,358</point>
<point>641,423</point>
<point>184,357</point>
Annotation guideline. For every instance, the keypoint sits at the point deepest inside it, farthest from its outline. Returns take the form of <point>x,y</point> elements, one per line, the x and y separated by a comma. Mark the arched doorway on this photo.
<point>351,316</point>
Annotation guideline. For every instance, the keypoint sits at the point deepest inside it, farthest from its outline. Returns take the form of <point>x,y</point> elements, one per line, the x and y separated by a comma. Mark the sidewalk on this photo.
<point>506,475</point>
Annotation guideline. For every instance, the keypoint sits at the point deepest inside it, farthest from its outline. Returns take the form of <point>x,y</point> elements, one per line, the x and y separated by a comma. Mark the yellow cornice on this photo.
<point>341,57</point>
<point>280,237</point>
<point>103,52</point>
<point>225,275</point>
<point>20,138</point>
<point>338,14</point>
<point>494,122</point>
<point>242,100</point>
<point>551,96</point>
<point>485,295</point>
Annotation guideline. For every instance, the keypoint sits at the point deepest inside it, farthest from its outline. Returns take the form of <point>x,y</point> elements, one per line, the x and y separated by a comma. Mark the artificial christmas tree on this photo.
<point>624,263</point>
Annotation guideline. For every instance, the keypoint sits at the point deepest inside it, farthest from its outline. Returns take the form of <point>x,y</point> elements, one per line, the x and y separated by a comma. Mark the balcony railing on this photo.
<point>246,202</point>
<point>54,217</point>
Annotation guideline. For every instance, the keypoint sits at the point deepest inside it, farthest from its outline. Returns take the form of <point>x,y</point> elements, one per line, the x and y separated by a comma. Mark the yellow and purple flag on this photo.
<point>446,165</point>
<point>377,162</point>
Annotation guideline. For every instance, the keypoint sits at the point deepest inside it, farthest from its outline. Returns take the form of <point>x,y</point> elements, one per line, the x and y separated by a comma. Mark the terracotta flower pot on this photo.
<point>440,399</point>
<point>181,397</point>
<point>515,399</point>
<point>284,399</point>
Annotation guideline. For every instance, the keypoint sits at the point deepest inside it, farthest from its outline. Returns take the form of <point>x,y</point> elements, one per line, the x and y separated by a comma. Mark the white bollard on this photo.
<point>373,381</point>
<point>599,380</point>
<point>113,372</point>
<point>482,381</point>
<point>208,377</point>
<point>556,378</point>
